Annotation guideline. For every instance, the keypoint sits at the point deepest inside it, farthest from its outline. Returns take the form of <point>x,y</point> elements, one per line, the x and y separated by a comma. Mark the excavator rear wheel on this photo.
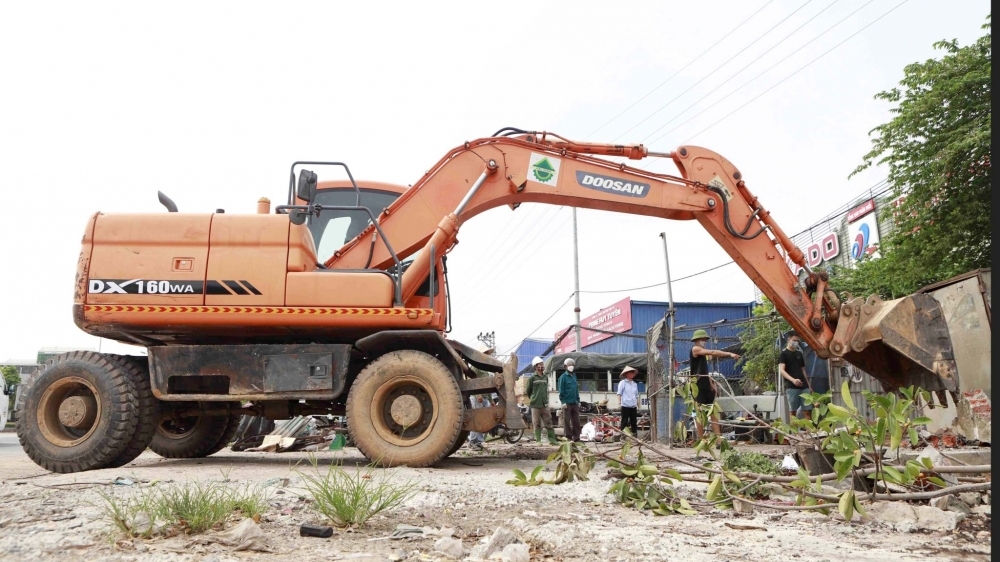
<point>192,437</point>
<point>148,417</point>
<point>462,438</point>
<point>405,408</point>
<point>80,413</point>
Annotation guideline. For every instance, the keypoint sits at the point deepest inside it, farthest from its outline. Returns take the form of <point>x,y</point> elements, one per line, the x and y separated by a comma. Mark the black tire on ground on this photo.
<point>149,408</point>
<point>189,438</point>
<point>405,408</point>
<point>227,436</point>
<point>80,413</point>
<point>462,438</point>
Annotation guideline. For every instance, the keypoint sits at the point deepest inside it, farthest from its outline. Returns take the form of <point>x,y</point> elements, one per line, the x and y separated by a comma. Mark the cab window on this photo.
<point>332,229</point>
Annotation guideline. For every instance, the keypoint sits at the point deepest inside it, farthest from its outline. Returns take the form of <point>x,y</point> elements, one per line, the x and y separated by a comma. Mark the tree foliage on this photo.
<point>10,374</point>
<point>759,343</point>
<point>937,148</point>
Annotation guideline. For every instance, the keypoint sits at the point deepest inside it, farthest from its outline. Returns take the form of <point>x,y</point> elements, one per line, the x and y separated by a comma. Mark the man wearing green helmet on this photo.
<point>707,390</point>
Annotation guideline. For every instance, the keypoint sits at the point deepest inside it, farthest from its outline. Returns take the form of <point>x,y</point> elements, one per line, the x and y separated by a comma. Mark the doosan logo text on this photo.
<point>616,185</point>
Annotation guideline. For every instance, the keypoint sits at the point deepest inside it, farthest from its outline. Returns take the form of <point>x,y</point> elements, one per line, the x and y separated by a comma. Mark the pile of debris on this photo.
<point>301,433</point>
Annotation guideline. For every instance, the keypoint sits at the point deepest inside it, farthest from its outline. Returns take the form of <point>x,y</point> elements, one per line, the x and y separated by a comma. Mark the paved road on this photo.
<point>10,448</point>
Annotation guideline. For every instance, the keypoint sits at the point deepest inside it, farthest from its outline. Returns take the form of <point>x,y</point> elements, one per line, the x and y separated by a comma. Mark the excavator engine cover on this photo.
<point>902,342</point>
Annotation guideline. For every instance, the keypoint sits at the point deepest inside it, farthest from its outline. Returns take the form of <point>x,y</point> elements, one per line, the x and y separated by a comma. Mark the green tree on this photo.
<point>937,147</point>
<point>759,342</point>
<point>10,374</point>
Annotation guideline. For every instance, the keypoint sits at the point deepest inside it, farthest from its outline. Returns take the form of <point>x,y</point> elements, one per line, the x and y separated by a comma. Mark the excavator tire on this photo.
<point>462,438</point>
<point>227,436</point>
<point>149,408</point>
<point>80,413</point>
<point>192,437</point>
<point>405,408</point>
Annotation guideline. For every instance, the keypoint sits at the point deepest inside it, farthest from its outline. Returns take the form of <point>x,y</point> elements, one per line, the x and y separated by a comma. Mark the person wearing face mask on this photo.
<point>569,395</point>
<point>539,392</point>
<point>792,366</point>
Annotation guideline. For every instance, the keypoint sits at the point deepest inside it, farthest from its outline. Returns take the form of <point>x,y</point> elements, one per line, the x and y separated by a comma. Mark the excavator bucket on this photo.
<point>902,342</point>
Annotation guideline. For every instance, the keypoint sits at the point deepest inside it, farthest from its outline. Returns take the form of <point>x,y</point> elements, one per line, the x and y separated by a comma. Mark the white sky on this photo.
<point>103,104</point>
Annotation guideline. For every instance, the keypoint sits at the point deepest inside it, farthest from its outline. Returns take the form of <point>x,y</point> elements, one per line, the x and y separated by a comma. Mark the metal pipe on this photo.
<point>670,347</point>
<point>472,192</point>
<point>576,282</point>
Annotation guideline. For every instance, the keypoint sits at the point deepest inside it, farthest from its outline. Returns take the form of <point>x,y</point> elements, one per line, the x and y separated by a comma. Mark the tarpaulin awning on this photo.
<point>602,362</point>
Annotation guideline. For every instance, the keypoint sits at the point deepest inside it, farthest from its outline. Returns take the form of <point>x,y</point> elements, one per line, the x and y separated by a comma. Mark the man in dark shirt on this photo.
<point>792,367</point>
<point>707,390</point>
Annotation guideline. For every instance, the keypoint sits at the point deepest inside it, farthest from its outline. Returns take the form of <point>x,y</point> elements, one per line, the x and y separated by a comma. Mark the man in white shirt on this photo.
<point>628,391</point>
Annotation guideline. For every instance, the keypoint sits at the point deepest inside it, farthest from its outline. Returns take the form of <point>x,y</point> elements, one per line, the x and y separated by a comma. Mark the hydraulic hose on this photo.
<point>729,225</point>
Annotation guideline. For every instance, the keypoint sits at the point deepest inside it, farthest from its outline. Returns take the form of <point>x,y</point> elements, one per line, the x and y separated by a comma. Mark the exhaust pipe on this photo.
<point>902,342</point>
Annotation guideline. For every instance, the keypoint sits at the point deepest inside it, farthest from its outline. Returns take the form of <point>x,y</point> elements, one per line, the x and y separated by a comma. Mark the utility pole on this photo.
<point>488,339</point>
<point>670,351</point>
<point>576,282</point>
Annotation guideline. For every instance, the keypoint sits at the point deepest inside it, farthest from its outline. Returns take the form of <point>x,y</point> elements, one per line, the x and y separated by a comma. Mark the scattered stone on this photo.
<point>982,510</point>
<point>898,515</point>
<point>971,499</point>
<point>933,519</point>
<point>494,543</point>
<point>397,555</point>
<point>941,502</point>
<point>517,552</point>
<point>958,506</point>
<point>449,547</point>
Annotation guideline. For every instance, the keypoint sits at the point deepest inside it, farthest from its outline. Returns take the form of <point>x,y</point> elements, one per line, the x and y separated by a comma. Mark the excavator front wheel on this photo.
<point>80,413</point>
<point>405,408</point>
<point>193,437</point>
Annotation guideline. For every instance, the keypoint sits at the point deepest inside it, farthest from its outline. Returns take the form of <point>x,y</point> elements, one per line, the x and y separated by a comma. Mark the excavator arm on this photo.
<point>900,342</point>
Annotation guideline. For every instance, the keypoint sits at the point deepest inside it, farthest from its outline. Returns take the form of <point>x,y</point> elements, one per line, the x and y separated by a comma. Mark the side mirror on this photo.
<point>297,217</point>
<point>307,186</point>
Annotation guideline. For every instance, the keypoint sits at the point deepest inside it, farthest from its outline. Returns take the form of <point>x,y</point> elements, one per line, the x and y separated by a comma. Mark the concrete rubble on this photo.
<point>460,511</point>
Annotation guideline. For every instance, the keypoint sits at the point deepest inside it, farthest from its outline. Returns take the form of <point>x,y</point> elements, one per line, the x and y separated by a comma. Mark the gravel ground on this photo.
<point>58,516</point>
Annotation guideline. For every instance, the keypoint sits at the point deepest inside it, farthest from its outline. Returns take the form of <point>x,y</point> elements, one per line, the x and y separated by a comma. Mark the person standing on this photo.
<point>628,391</point>
<point>792,367</point>
<point>476,438</point>
<point>538,390</point>
<point>707,391</point>
<point>569,395</point>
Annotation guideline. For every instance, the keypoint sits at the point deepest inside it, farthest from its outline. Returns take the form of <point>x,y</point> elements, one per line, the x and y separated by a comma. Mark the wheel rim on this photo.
<point>178,428</point>
<point>69,411</point>
<point>404,411</point>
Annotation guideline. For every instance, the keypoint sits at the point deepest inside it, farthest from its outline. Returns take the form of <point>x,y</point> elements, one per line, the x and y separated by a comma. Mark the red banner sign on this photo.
<point>616,318</point>
<point>861,210</point>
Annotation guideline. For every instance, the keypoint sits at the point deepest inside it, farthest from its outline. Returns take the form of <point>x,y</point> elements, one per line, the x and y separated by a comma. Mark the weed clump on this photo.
<point>190,508</point>
<point>352,499</point>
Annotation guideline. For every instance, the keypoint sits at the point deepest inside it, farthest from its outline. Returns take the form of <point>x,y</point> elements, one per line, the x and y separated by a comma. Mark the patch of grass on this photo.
<point>352,499</point>
<point>193,507</point>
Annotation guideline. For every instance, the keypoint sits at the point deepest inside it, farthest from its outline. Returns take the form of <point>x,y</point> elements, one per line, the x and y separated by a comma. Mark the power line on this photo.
<point>488,279</point>
<point>692,61</point>
<point>661,283</point>
<point>730,59</point>
<point>762,55</point>
<point>513,347</point>
<point>783,80</point>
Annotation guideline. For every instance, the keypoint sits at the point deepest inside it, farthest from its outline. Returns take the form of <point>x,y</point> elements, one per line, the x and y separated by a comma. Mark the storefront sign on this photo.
<point>861,210</point>
<point>826,249</point>
<point>863,237</point>
<point>615,318</point>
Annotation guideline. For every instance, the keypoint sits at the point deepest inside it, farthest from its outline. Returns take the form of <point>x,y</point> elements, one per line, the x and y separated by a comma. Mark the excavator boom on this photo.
<point>901,342</point>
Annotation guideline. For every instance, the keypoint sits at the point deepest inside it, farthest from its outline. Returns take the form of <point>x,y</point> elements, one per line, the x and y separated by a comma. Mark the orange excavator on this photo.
<point>337,303</point>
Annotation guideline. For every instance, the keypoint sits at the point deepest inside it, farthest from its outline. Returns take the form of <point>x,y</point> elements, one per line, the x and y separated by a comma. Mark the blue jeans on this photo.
<point>795,400</point>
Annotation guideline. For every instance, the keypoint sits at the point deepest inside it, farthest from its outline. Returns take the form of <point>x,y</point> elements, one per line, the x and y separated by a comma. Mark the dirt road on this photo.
<point>57,517</point>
